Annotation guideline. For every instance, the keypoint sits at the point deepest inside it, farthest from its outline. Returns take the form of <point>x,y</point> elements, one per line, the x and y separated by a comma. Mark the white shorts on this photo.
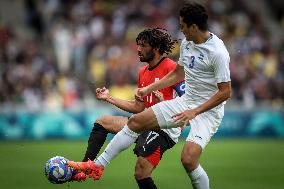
<point>203,126</point>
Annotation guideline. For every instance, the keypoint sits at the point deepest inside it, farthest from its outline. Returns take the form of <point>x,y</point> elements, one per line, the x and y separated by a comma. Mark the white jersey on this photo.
<point>205,65</point>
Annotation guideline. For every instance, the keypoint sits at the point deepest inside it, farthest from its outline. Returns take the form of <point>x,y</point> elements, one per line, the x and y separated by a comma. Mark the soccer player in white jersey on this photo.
<point>204,62</point>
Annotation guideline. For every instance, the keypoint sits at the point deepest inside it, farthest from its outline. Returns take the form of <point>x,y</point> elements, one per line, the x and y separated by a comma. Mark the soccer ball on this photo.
<point>57,170</point>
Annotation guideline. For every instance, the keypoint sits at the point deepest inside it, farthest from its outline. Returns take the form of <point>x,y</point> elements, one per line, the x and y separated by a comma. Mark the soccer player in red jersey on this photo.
<point>150,145</point>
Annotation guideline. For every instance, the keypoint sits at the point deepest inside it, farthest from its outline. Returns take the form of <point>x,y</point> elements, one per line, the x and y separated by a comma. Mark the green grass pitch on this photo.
<point>230,164</point>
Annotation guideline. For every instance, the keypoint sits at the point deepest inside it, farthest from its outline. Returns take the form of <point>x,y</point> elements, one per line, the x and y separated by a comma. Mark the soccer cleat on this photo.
<point>97,174</point>
<point>81,176</point>
<point>89,168</point>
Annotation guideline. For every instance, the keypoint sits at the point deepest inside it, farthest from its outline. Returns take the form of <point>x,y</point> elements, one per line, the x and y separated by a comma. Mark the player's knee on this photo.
<point>140,172</point>
<point>99,128</point>
<point>101,125</point>
<point>102,121</point>
<point>134,124</point>
<point>188,162</point>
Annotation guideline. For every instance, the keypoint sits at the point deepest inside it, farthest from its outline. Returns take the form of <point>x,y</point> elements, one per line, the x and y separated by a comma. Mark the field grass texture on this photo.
<point>230,164</point>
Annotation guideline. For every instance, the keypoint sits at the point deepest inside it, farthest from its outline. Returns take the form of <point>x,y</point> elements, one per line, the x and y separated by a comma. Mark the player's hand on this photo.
<point>142,92</point>
<point>102,93</point>
<point>138,98</point>
<point>184,117</point>
<point>159,97</point>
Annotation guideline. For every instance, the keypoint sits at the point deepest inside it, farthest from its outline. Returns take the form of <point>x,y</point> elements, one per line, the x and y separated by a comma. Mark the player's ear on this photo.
<point>194,27</point>
<point>156,49</point>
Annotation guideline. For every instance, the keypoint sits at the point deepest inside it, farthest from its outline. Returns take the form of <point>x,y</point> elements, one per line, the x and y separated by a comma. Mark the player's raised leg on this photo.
<point>102,126</point>
<point>137,123</point>
<point>140,122</point>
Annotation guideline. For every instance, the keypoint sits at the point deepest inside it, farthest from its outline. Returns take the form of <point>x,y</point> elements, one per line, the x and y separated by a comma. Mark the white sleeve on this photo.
<point>180,60</point>
<point>221,65</point>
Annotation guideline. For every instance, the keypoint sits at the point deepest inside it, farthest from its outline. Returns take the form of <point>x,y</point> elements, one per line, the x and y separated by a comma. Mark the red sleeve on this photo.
<point>171,66</point>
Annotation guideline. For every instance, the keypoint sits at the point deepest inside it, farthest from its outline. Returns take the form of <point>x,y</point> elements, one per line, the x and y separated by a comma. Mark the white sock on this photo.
<point>121,141</point>
<point>199,178</point>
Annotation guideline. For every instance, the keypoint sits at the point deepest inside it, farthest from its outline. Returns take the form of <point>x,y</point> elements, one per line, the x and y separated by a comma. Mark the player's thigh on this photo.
<point>203,127</point>
<point>143,121</point>
<point>112,124</point>
<point>165,110</point>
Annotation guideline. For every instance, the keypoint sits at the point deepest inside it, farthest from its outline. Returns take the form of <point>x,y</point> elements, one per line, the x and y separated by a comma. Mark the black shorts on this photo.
<point>152,145</point>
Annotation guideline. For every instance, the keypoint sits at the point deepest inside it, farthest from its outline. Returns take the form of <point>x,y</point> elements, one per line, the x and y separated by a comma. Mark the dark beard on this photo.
<point>148,57</point>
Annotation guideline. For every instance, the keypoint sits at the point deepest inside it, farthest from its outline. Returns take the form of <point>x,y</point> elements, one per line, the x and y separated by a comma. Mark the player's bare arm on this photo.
<point>171,78</point>
<point>224,93</point>
<point>132,106</point>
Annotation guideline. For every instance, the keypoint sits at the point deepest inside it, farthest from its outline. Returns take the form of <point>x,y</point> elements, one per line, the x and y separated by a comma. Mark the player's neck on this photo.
<point>202,37</point>
<point>156,60</point>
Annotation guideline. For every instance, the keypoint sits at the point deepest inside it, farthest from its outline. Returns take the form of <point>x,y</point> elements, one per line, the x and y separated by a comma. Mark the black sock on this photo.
<point>146,183</point>
<point>96,141</point>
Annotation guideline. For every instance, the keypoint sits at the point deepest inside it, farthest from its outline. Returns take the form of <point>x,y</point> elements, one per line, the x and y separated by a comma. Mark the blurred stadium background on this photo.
<point>54,53</point>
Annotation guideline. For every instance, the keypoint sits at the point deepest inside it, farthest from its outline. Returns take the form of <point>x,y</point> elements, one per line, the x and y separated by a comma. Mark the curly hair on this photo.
<point>194,13</point>
<point>157,38</point>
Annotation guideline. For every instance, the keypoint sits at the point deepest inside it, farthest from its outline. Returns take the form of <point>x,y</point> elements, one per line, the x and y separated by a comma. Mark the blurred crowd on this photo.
<point>78,45</point>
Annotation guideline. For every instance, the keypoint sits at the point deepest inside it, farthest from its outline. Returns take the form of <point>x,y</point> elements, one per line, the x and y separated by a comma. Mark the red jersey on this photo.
<point>150,75</point>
